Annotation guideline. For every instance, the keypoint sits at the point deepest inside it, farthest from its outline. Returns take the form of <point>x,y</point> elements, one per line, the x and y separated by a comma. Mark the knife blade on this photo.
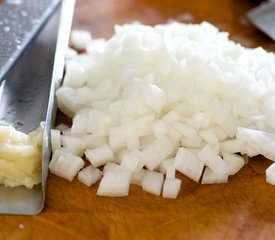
<point>28,98</point>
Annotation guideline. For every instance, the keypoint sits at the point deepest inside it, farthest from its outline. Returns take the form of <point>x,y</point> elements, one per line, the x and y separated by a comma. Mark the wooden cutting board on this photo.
<point>241,209</point>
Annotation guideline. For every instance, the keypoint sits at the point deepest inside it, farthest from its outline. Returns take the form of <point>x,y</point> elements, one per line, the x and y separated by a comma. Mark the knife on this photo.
<point>28,96</point>
<point>263,17</point>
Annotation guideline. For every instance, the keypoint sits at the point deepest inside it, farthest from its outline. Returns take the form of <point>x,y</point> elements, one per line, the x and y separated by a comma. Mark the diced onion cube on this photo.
<point>270,174</point>
<point>231,146</point>
<point>80,39</point>
<point>171,172</point>
<point>144,125</point>
<point>110,166</point>
<point>75,76</point>
<point>100,155</point>
<point>154,97</point>
<point>114,184</point>
<point>117,138</point>
<point>130,162</point>
<point>76,145</point>
<point>210,177</point>
<point>212,159</point>
<point>156,152</point>
<point>234,161</point>
<point>89,175</point>
<point>171,188</point>
<point>65,165</point>
<point>138,176</point>
<point>209,136</point>
<point>159,129</point>
<point>188,164</point>
<point>152,182</point>
<point>80,123</point>
<point>165,164</point>
<point>55,139</point>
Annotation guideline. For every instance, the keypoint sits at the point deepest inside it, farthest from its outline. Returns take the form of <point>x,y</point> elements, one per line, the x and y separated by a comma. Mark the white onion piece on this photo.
<point>174,135</point>
<point>98,122</point>
<point>138,176</point>
<point>250,151</point>
<point>89,175</point>
<point>191,142</point>
<point>165,164</point>
<point>110,166</point>
<point>262,142</point>
<point>209,136</point>
<point>171,172</point>
<point>212,159</point>
<point>96,46</point>
<point>75,76</point>
<point>220,133</point>
<point>100,155</point>
<point>234,161</point>
<point>117,138</point>
<point>171,188</point>
<point>171,117</point>
<point>270,174</point>
<point>130,162</point>
<point>66,131</point>
<point>66,100</point>
<point>132,135</point>
<point>156,152</point>
<point>144,125</point>
<point>188,164</point>
<point>184,129</point>
<point>79,126</point>
<point>55,139</point>
<point>70,54</point>
<point>159,129</point>
<point>65,165</point>
<point>210,177</point>
<point>61,127</point>
<point>154,97</point>
<point>231,146</point>
<point>80,39</point>
<point>135,108</point>
<point>94,140</point>
<point>114,184</point>
<point>138,154</point>
<point>152,182</point>
<point>75,145</point>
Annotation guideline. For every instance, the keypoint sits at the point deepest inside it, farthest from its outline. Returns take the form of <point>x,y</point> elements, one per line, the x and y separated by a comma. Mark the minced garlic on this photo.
<point>20,157</point>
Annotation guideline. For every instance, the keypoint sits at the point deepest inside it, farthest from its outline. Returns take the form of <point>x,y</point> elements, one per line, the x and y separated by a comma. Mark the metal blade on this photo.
<point>263,17</point>
<point>28,98</point>
<point>20,21</point>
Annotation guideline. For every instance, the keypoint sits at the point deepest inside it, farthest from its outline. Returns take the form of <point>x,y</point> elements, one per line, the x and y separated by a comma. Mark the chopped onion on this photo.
<point>171,188</point>
<point>100,155</point>
<point>270,174</point>
<point>174,97</point>
<point>114,184</point>
<point>80,39</point>
<point>234,161</point>
<point>210,177</point>
<point>152,182</point>
<point>171,172</point>
<point>212,159</point>
<point>65,165</point>
<point>138,176</point>
<point>55,139</point>
<point>188,164</point>
<point>89,175</point>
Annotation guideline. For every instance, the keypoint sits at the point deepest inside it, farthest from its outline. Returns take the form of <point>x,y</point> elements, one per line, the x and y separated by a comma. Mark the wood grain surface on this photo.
<point>242,209</point>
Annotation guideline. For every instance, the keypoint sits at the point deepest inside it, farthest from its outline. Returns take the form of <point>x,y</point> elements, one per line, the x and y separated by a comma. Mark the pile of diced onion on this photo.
<point>153,101</point>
